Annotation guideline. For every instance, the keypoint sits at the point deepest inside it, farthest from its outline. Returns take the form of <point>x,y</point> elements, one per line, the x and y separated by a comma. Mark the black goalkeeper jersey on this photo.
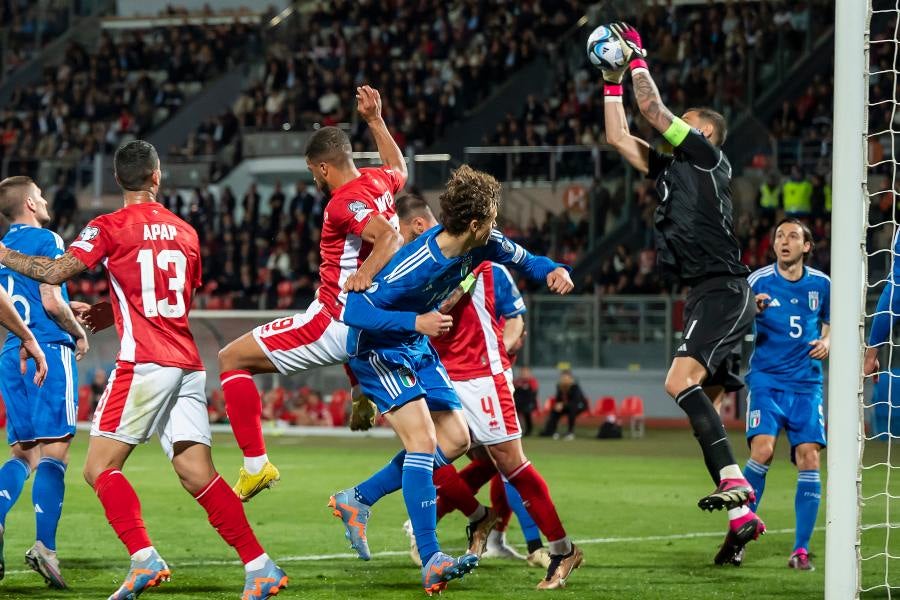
<point>694,220</point>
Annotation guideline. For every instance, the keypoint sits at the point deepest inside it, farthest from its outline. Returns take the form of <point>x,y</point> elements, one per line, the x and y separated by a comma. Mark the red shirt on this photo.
<point>152,259</point>
<point>346,215</point>
<point>474,346</point>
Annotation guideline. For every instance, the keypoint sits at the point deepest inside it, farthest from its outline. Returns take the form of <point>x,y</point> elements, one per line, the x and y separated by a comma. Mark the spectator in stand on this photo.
<point>797,192</point>
<point>525,395</point>
<point>569,401</point>
<point>770,195</point>
<point>313,411</point>
<point>98,386</point>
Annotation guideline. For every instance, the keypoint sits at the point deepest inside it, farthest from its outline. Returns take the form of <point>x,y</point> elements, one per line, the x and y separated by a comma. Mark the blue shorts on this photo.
<point>392,377</point>
<point>40,413</point>
<point>800,414</point>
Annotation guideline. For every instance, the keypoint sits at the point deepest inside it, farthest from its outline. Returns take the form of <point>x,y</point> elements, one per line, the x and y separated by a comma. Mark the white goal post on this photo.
<point>848,234</point>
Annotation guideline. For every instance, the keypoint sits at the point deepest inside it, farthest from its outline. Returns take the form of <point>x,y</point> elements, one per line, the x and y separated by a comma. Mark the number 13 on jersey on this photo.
<point>164,260</point>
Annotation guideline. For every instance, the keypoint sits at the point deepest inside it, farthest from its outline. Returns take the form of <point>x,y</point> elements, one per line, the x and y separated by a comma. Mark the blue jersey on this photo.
<point>888,309</point>
<point>416,281</point>
<point>25,292</point>
<point>784,330</point>
<point>508,302</point>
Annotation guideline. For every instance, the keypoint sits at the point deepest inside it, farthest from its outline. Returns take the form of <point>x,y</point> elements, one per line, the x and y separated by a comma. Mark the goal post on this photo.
<point>848,234</point>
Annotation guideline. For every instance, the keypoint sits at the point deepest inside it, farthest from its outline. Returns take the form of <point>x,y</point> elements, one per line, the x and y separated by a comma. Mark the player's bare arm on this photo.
<point>633,149</point>
<point>41,268</point>
<point>513,333</point>
<point>59,310</point>
<point>650,102</point>
<point>385,242</point>
<point>369,106</point>
<point>10,319</point>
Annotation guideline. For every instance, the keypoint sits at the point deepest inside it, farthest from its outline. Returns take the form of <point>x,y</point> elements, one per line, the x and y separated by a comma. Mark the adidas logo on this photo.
<point>682,348</point>
<point>774,303</point>
<point>38,509</point>
<point>5,494</point>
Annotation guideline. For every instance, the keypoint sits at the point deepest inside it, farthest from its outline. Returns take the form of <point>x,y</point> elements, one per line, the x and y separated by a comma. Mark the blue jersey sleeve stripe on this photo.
<point>408,264</point>
<point>403,263</point>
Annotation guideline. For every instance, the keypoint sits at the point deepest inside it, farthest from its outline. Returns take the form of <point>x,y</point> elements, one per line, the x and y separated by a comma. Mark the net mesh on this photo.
<point>880,491</point>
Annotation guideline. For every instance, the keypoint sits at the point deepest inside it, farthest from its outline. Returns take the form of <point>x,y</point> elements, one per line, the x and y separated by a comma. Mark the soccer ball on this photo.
<point>604,50</point>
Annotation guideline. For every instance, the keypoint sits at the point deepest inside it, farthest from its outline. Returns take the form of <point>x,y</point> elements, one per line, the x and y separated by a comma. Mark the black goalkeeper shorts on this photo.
<point>718,313</point>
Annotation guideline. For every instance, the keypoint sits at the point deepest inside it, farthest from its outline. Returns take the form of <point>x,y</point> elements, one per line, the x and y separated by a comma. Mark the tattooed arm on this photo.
<point>41,268</point>
<point>649,101</point>
<point>61,312</point>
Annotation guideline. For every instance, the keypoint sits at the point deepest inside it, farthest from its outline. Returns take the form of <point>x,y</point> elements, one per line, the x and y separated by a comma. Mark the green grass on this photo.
<point>603,489</point>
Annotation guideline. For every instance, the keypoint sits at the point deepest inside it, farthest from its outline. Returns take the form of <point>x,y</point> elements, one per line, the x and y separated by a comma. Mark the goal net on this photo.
<point>879,515</point>
<point>863,494</point>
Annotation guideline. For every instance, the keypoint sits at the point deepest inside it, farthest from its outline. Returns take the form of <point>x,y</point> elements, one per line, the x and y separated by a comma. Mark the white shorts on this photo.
<point>304,341</point>
<point>489,408</point>
<point>146,398</point>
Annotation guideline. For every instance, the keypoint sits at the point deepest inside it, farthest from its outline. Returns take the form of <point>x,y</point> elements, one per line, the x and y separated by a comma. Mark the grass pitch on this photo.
<point>630,503</point>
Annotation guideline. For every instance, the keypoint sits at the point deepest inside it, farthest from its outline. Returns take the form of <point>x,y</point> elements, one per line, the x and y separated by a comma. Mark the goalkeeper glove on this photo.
<point>632,46</point>
<point>612,81</point>
<point>362,416</point>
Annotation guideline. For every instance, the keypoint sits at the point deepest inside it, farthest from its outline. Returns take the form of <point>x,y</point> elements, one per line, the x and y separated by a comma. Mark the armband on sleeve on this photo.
<point>677,132</point>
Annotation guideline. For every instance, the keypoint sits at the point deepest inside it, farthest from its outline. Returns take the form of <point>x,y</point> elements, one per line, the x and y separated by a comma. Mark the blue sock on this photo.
<point>47,496</point>
<point>755,474</point>
<point>420,496</point>
<point>386,481</point>
<point>806,505</point>
<point>529,527</point>
<point>440,460</point>
<point>12,477</point>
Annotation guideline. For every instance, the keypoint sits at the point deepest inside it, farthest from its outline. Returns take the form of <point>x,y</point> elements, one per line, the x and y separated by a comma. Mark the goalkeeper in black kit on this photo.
<point>695,247</point>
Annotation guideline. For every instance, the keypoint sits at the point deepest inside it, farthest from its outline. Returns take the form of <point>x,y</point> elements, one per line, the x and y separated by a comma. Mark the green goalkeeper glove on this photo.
<point>362,416</point>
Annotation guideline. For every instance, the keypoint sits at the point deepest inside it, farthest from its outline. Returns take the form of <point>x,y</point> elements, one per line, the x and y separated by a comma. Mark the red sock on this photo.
<point>499,503</point>
<point>226,515</point>
<point>454,490</point>
<point>536,498</point>
<point>477,473</point>
<point>244,408</point>
<point>123,509</point>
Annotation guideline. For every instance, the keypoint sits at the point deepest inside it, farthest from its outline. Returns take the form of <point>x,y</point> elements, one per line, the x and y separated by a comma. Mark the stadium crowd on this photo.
<point>26,27</point>
<point>432,60</point>
<point>124,86</point>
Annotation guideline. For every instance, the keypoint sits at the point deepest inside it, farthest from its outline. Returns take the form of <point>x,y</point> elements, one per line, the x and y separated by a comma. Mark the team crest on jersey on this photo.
<point>407,378</point>
<point>372,288</point>
<point>466,267</point>
<point>753,421</point>
<point>356,206</point>
<point>88,233</point>
<point>507,245</point>
<point>813,300</point>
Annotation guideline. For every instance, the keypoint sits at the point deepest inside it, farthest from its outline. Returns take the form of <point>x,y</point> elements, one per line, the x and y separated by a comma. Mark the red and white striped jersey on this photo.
<point>346,215</point>
<point>152,259</point>
<point>474,346</point>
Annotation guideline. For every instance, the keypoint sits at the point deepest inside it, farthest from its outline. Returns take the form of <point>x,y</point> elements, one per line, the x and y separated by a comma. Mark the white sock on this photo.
<point>254,464</point>
<point>563,546</point>
<point>142,554</point>
<point>496,538</point>
<point>729,472</point>
<point>257,563</point>
<point>478,514</point>
<point>737,513</point>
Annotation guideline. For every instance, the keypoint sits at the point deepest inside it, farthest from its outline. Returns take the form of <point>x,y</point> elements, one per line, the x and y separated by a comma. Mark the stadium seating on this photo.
<point>605,408</point>
<point>632,413</point>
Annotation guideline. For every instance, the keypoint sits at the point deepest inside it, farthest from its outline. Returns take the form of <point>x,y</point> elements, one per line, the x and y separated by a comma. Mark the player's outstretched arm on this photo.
<point>513,333</point>
<point>886,314</point>
<point>62,313</point>
<point>649,100</point>
<point>362,314</point>
<point>618,135</point>
<point>537,268</point>
<point>385,242</point>
<point>368,103</point>
<point>10,319</point>
<point>42,268</point>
